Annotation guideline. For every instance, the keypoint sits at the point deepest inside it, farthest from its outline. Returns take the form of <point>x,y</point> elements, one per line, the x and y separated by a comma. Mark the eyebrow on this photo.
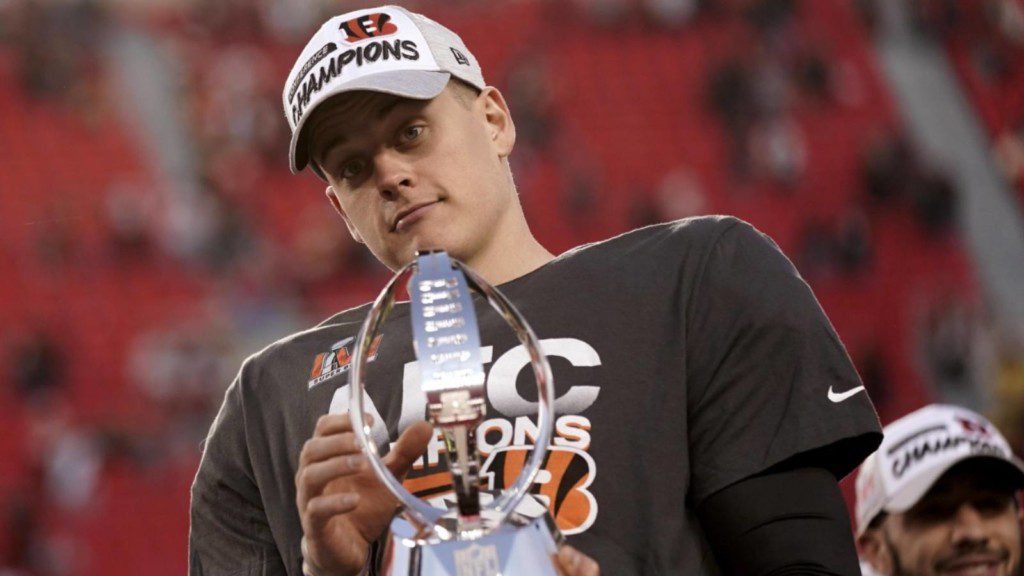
<point>341,138</point>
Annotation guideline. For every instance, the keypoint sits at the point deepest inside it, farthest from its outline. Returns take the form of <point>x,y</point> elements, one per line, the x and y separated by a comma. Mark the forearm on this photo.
<point>781,523</point>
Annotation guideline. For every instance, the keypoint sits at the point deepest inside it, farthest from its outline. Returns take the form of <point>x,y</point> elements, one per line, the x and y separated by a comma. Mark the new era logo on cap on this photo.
<point>460,57</point>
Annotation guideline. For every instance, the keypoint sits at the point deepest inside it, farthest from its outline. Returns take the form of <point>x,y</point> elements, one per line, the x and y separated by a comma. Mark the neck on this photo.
<point>512,251</point>
<point>516,260</point>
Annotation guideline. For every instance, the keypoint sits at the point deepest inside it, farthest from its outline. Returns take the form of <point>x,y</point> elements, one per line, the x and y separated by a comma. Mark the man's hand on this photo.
<point>342,504</point>
<point>571,562</point>
<point>344,507</point>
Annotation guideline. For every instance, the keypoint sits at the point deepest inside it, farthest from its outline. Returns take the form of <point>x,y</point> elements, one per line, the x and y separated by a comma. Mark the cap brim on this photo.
<point>912,492</point>
<point>415,84</point>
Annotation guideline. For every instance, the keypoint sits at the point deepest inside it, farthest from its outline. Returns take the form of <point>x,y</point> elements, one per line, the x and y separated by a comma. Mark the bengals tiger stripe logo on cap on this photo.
<point>368,26</point>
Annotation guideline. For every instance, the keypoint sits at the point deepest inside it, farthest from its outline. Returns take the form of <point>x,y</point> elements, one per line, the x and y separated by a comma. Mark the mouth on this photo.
<point>410,215</point>
<point>973,565</point>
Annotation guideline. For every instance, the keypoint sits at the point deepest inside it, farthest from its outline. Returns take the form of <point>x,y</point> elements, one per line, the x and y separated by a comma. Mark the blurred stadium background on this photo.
<point>152,235</point>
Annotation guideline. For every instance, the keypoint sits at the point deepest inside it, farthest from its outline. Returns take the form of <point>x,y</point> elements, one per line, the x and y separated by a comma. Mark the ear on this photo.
<point>872,548</point>
<point>333,197</point>
<point>500,127</point>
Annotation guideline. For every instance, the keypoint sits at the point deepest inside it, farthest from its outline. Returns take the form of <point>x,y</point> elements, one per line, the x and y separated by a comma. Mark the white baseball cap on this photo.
<point>917,450</point>
<point>384,49</point>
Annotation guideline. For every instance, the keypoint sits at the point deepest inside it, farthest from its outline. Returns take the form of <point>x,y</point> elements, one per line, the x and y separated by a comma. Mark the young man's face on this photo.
<point>411,175</point>
<point>968,524</point>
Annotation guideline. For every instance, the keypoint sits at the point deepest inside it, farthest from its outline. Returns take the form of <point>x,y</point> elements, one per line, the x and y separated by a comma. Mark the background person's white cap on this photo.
<point>917,450</point>
<point>384,49</point>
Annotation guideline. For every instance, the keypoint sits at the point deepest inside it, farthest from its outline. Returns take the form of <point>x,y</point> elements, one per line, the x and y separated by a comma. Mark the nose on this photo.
<point>968,525</point>
<point>393,174</point>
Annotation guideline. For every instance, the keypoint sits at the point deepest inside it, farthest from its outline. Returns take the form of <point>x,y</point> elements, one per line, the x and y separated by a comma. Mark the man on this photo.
<point>694,370</point>
<point>940,496</point>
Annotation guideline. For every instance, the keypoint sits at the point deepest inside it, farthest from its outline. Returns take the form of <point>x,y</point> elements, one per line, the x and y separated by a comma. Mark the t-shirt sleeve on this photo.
<point>229,532</point>
<point>768,378</point>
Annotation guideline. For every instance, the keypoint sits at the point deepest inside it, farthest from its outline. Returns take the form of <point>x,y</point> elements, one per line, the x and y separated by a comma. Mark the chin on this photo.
<point>426,242</point>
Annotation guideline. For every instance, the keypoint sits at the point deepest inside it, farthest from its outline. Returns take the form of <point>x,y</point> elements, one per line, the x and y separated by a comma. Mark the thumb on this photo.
<point>410,446</point>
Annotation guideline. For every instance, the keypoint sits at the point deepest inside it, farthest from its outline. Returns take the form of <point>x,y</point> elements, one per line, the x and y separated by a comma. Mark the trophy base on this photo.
<point>521,545</point>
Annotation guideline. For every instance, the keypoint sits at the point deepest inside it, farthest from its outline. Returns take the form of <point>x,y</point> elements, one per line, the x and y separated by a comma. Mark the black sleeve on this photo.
<point>229,532</point>
<point>768,378</point>
<point>784,522</point>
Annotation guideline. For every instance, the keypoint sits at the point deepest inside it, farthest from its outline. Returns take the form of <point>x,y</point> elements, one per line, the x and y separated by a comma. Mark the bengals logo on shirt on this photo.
<point>368,26</point>
<point>562,483</point>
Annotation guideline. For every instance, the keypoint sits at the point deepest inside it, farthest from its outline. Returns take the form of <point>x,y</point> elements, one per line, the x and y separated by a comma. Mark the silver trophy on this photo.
<point>474,538</point>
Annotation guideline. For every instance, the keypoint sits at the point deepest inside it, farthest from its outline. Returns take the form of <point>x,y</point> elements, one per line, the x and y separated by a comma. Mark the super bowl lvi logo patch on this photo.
<point>336,361</point>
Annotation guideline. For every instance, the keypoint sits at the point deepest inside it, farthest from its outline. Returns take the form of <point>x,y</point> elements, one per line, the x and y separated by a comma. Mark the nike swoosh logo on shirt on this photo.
<point>837,397</point>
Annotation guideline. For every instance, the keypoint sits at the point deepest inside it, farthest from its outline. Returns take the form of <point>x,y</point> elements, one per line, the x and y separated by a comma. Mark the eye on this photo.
<point>992,504</point>
<point>352,169</point>
<point>935,512</point>
<point>410,133</point>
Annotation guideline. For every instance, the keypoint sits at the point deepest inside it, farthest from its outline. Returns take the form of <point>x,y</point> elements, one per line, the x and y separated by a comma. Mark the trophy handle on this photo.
<point>511,498</point>
<point>419,513</point>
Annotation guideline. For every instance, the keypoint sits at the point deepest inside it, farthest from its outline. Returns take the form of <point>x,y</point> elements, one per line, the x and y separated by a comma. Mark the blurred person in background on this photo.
<point>940,496</point>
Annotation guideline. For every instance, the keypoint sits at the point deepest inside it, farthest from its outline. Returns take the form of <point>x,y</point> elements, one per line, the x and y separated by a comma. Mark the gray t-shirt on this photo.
<point>687,356</point>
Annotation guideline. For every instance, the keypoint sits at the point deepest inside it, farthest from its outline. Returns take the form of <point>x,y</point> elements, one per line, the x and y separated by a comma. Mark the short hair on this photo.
<point>464,92</point>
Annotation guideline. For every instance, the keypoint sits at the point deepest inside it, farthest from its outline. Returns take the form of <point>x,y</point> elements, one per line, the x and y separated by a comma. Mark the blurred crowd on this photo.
<point>269,257</point>
<point>985,40</point>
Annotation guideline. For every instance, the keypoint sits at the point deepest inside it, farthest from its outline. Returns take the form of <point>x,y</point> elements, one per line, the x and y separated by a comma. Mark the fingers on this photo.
<point>332,436</point>
<point>337,423</point>
<point>331,453</point>
<point>409,447</point>
<point>571,562</point>
<point>320,448</point>
<point>313,478</point>
<point>322,508</point>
